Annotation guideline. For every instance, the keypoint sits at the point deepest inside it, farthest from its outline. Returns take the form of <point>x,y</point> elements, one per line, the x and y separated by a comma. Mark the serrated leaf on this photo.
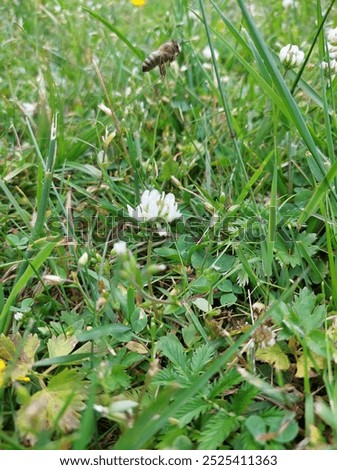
<point>173,350</point>
<point>273,355</point>
<point>201,357</point>
<point>307,240</point>
<point>191,410</point>
<point>242,399</point>
<point>230,379</point>
<point>305,311</point>
<point>61,345</point>
<point>25,361</point>
<point>217,429</point>
<point>7,347</point>
<point>53,409</point>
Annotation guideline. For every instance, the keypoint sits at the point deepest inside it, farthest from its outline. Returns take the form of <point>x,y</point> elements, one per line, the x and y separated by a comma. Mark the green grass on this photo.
<point>232,344</point>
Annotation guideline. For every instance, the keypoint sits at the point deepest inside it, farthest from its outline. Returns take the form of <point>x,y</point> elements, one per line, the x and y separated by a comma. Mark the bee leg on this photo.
<point>162,70</point>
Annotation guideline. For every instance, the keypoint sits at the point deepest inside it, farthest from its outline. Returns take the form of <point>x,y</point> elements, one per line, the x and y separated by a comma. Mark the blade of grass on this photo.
<point>136,51</point>
<point>35,264</point>
<point>282,90</point>
<point>321,190</point>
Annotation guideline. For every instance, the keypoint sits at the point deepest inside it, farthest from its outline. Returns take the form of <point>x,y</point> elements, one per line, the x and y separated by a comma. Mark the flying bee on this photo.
<point>166,53</point>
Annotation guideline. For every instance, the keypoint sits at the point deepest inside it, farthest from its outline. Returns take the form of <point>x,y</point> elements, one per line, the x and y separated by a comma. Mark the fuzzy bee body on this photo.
<point>166,54</point>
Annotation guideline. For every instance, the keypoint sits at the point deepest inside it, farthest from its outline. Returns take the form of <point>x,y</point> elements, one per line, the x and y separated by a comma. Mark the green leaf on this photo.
<point>35,264</point>
<point>226,300</point>
<point>243,398</point>
<point>201,357</point>
<point>202,304</point>
<point>190,335</point>
<point>169,253</point>
<point>285,429</point>
<point>230,379</point>
<point>115,330</point>
<point>200,286</point>
<point>217,430</point>
<point>201,259</point>
<point>305,312</point>
<point>191,410</point>
<point>138,320</point>
<point>224,263</point>
<point>173,350</point>
<point>256,426</point>
<point>225,285</point>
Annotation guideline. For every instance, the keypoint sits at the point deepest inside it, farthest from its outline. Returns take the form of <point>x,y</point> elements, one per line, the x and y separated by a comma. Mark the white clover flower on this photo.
<point>120,248</point>
<point>332,69</point>
<point>332,36</point>
<point>291,56</point>
<point>264,336</point>
<point>206,52</point>
<point>83,259</point>
<point>154,205</point>
<point>332,51</point>
<point>18,316</point>
<point>289,4</point>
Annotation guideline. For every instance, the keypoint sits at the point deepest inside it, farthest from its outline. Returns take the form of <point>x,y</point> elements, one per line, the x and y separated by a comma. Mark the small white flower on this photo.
<point>18,316</point>
<point>52,279</point>
<point>83,259</point>
<point>123,406</point>
<point>120,248</point>
<point>154,205</point>
<point>332,36</point>
<point>289,4</point>
<point>332,51</point>
<point>29,108</point>
<point>291,56</point>
<point>332,69</point>
<point>101,409</point>
<point>206,52</point>
<point>105,109</point>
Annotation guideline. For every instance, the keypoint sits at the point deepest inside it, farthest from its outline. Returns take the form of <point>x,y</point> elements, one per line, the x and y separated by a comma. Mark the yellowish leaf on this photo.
<point>300,364</point>
<point>137,347</point>
<point>53,409</point>
<point>61,345</point>
<point>7,348</point>
<point>274,356</point>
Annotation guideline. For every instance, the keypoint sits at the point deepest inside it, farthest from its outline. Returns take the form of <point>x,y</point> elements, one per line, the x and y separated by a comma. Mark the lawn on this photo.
<point>168,241</point>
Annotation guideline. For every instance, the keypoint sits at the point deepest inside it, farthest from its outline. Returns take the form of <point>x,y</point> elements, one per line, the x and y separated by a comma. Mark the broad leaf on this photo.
<point>53,409</point>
